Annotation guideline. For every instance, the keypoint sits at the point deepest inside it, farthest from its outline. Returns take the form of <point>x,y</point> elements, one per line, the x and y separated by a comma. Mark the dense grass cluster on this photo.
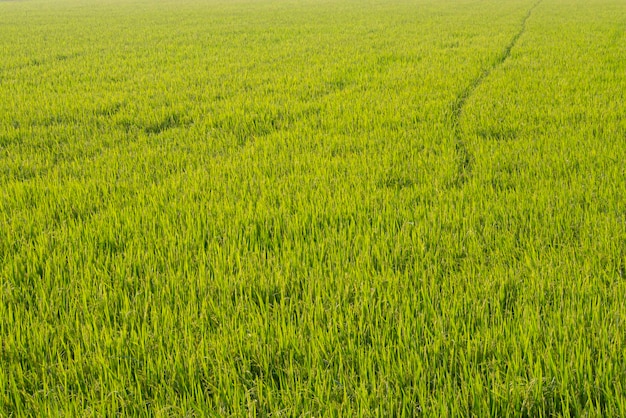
<point>323,208</point>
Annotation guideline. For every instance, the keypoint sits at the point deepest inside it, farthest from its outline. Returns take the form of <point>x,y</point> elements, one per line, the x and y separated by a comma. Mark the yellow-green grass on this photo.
<point>312,208</point>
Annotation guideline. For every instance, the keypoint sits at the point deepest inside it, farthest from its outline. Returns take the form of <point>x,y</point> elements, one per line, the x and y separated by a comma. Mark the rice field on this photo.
<point>407,208</point>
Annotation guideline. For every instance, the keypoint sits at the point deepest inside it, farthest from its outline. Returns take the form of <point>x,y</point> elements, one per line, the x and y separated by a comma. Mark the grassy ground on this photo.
<point>335,208</point>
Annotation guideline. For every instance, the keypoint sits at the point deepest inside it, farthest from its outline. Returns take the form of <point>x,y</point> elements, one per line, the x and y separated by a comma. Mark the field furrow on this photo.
<point>464,157</point>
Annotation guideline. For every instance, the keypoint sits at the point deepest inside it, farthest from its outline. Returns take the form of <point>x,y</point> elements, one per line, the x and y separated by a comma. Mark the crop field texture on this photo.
<point>313,208</point>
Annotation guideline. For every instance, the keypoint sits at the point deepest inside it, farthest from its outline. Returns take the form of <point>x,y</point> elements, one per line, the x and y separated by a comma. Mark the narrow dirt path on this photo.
<point>464,157</point>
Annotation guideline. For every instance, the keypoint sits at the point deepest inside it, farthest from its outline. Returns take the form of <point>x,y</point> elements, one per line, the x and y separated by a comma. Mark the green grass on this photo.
<point>312,208</point>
